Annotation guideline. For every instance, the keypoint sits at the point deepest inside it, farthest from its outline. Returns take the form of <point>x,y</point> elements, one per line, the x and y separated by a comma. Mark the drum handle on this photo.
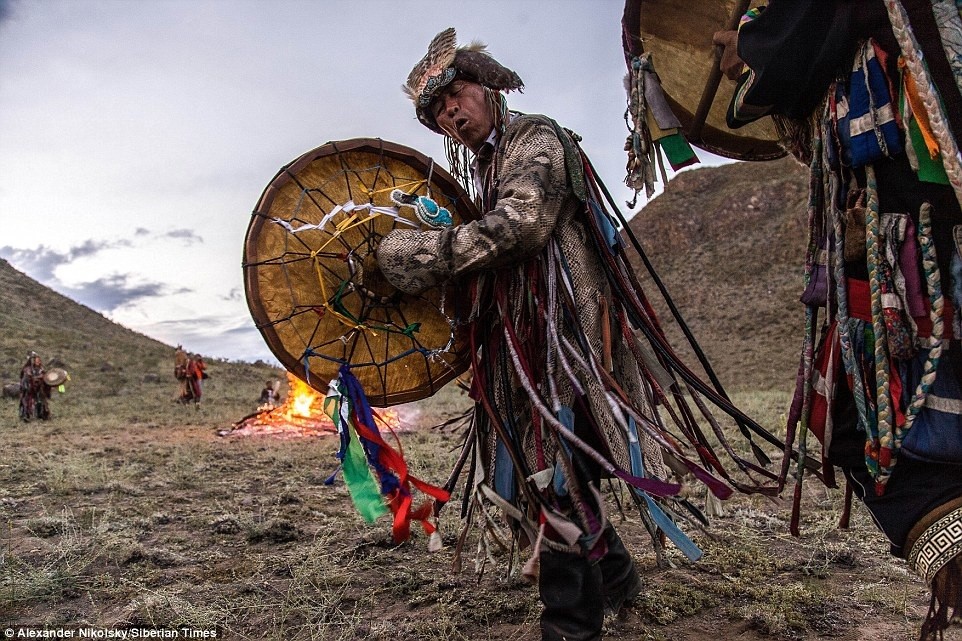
<point>714,76</point>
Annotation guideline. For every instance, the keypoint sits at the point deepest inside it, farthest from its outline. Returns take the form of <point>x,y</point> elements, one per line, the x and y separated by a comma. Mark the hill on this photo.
<point>729,243</point>
<point>106,361</point>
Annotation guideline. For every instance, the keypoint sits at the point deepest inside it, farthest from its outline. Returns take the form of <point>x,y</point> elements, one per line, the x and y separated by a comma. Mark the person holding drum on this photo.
<point>565,393</point>
<point>868,95</point>
<point>34,391</point>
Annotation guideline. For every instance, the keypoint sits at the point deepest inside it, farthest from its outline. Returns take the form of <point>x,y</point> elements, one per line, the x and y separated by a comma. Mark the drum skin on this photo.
<point>311,278</point>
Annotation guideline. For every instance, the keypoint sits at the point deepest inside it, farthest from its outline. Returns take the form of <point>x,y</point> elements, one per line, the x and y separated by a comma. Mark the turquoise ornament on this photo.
<point>426,209</point>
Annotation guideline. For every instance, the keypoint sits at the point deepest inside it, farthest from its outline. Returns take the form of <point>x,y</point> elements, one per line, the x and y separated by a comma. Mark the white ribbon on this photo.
<point>347,208</point>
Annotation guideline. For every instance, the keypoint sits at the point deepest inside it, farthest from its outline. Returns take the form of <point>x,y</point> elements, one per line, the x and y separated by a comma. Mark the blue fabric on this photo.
<point>567,418</point>
<point>935,436</point>
<point>612,236</point>
<point>503,472</point>
<point>662,520</point>
<point>872,100</point>
<point>355,392</point>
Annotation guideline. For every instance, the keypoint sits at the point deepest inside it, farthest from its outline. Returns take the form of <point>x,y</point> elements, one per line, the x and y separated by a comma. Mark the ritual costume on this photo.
<point>868,94</point>
<point>196,373</point>
<point>34,392</point>
<point>181,359</point>
<point>566,391</point>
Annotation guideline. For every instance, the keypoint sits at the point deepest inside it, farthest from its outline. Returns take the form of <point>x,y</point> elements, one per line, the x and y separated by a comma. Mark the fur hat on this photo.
<point>444,62</point>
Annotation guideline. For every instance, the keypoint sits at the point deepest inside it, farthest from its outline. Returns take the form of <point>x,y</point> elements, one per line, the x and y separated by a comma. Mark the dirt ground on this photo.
<point>173,526</point>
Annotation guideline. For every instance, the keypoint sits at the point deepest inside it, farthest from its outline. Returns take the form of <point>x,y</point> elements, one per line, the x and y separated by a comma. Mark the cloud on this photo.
<point>215,335</point>
<point>42,262</point>
<point>92,248</point>
<point>116,290</point>
<point>104,294</point>
<point>6,10</point>
<point>187,235</point>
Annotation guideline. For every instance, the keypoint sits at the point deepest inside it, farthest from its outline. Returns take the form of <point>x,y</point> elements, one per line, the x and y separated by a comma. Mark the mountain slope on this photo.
<point>729,243</point>
<point>38,318</point>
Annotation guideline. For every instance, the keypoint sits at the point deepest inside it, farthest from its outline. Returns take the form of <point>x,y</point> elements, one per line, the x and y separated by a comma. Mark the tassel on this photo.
<point>662,520</point>
<point>653,130</point>
<point>360,483</point>
<point>793,525</point>
<point>713,505</point>
<point>365,456</point>
<point>843,521</point>
<point>435,544</point>
<point>333,477</point>
<point>532,567</point>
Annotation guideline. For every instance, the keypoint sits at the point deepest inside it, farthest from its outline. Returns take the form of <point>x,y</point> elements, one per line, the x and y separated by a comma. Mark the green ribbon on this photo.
<point>364,490</point>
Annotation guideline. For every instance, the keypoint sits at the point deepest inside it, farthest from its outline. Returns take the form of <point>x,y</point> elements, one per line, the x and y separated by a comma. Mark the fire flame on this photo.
<point>301,400</point>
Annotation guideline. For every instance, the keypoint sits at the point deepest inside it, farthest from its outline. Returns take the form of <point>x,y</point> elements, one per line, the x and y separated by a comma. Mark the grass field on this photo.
<point>137,514</point>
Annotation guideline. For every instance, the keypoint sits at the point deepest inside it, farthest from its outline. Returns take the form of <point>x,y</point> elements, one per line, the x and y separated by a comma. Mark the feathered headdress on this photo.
<point>445,61</point>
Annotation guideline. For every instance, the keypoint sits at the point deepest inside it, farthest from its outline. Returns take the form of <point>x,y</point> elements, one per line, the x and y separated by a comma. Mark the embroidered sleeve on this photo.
<point>531,190</point>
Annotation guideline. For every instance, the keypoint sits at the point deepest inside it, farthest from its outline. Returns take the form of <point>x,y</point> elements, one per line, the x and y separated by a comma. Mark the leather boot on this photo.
<point>572,595</point>
<point>619,576</point>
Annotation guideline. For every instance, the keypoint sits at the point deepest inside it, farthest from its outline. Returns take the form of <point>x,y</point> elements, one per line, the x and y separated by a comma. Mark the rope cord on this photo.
<point>336,235</point>
<point>936,307</point>
<point>718,395</point>
<point>716,392</point>
<point>879,454</point>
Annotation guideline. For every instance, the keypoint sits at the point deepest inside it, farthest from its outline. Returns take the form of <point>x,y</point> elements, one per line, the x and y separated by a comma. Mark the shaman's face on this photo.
<point>462,111</point>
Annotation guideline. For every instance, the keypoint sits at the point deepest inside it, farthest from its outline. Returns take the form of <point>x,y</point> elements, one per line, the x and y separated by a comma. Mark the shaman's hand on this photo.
<point>730,64</point>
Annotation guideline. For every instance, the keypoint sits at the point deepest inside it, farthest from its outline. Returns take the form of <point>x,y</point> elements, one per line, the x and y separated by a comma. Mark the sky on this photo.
<point>137,136</point>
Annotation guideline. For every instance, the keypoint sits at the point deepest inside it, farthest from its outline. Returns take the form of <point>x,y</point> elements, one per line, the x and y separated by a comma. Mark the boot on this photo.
<point>619,576</point>
<point>571,591</point>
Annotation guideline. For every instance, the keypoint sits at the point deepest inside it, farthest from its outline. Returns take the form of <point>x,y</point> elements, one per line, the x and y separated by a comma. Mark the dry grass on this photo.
<point>114,524</point>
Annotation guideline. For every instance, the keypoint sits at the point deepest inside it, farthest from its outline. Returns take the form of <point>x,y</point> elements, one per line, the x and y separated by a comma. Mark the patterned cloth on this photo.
<point>938,544</point>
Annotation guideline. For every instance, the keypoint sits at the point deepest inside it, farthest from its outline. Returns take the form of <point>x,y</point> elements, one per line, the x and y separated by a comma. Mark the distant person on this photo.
<point>190,370</point>
<point>180,372</point>
<point>269,395</point>
<point>34,392</point>
<point>196,373</point>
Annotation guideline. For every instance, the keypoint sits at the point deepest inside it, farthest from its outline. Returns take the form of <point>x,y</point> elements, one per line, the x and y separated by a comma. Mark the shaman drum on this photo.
<point>54,377</point>
<point>313,285</point>
<point>678,34</point>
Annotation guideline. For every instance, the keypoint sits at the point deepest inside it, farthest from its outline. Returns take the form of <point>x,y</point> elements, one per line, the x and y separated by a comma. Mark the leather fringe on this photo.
<point>946,593</point>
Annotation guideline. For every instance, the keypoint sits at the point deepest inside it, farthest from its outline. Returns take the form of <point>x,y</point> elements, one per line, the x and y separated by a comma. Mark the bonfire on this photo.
<point>301,414</point>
